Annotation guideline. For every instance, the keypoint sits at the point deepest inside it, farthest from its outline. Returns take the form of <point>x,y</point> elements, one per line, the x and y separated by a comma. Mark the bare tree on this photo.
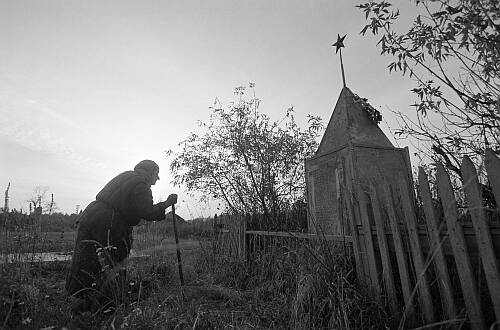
<point>6,206</point>
<point>40,202</point>
<point>452,51</point>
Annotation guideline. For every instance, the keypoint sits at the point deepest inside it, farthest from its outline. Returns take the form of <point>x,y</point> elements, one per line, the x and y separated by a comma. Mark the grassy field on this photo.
<point>32,241</point>
<point>306,288</point>
<point>32,295</point>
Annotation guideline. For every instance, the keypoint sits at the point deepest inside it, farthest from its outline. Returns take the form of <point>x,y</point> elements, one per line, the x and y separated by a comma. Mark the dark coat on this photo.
<point>106,226</point>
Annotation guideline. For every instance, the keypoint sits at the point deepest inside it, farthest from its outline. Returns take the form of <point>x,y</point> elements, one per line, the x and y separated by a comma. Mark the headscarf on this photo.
<point>149,167</point>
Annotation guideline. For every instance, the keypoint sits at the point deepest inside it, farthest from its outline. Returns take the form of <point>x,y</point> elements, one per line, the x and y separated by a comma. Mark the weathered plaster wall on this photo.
<point>327,180</point>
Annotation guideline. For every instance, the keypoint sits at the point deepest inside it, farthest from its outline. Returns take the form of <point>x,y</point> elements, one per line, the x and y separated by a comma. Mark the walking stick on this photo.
<point>179,261</point>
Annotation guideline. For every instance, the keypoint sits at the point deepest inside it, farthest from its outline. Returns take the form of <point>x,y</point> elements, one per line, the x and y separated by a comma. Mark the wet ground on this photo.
<point>167,247</point>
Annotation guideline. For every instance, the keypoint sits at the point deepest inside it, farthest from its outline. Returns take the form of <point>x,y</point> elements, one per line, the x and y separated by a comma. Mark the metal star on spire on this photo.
<point>338,46</point>
<point>340,43</point>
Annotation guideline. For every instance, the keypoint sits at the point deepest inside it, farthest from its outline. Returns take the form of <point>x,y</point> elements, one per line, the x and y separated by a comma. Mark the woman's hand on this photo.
<point>171,200</point>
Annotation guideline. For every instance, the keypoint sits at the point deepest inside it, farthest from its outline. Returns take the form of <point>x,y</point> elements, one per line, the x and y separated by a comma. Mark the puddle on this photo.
<point>48,257</point>
<point>34,257</point>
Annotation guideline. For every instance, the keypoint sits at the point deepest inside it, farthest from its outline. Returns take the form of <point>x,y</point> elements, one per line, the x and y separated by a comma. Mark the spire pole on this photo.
<point>339,44</point>
<point>342,67</point>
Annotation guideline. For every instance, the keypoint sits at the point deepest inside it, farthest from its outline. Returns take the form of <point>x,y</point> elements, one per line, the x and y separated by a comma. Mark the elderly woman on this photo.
<point>104,237</point>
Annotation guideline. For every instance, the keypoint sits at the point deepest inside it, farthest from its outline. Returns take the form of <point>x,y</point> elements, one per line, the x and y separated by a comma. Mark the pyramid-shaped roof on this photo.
<point>353,120</point>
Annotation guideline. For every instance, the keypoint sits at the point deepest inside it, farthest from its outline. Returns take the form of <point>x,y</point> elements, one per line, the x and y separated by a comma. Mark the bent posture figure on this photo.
<point>104,236</point>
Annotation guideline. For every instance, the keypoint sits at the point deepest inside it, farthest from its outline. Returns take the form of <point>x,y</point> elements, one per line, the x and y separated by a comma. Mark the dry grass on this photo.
<point>30,241</point>
<point>309,287</point>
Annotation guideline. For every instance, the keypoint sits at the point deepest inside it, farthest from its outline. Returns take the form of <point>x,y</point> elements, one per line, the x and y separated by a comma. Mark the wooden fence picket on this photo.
<point>493,169</point>
<point>404,274</point>
<point>233,240</point>
<point>416,252</point>
<point>387,272</point>
<point>395,224</point>
<point>435,246</point>
<point>349,205</point>
<point>355,238</point>
<point>483,234</point>
<point>367,231</point>
<point>460,251</point>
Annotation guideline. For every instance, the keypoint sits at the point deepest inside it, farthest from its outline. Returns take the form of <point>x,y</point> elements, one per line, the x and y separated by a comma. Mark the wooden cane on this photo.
<point>179,261</point>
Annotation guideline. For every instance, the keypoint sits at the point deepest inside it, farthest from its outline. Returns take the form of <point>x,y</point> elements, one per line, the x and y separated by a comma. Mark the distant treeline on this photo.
<point>198,227</point>
<point>294,219</point>
<point>17,221</point>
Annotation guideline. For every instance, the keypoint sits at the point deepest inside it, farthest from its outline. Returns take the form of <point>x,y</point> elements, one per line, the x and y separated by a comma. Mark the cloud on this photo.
<point>35,125</point>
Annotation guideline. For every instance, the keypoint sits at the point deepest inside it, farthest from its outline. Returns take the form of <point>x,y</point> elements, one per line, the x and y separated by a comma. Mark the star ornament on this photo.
<point>340,43</point>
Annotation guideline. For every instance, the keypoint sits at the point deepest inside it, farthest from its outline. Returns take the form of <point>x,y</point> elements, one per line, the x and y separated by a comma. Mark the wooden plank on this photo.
<point>370,248</point>
<point>493,169</point>
<point>257,243</point>
<point>238,237</point>
<point>455,232</point>
<point>483,235</point>
<point>311,203</point>
<point>349,196</point>
<point>416,251</point>
<point>243,238</point>
<point>387,272</point>
<point>436,250</point>
<point>255,246</point>
<point>232,242</point>
<point>355,239</point>
<point>404,274</point>
<point>339,205</point>
<point>235,238</point>
<point>409,176</point>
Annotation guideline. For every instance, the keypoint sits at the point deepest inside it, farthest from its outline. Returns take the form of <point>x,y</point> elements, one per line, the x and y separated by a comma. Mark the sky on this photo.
<point>90,88</point>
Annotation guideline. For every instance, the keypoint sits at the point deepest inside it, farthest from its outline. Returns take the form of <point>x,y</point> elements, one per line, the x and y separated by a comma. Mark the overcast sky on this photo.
<point>89,88</point>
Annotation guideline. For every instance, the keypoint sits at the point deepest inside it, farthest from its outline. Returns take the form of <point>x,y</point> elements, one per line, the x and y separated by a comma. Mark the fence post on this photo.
<point>435,246</point>
<point>455,232</point>
<point>482,230</point>
<point>418,260</point>
<point>493,169</point>
<point>243,238</point>
<point>370,248</point>
<point>404,275</point>
<point>348,200</point>
<point>384,252</point>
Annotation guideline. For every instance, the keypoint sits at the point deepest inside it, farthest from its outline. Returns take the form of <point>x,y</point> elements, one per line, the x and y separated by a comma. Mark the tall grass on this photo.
<point>310,286</point>
<point>31,292</point>
<point>300,286</point>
